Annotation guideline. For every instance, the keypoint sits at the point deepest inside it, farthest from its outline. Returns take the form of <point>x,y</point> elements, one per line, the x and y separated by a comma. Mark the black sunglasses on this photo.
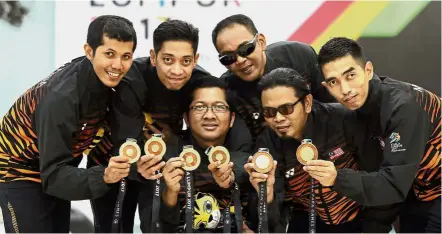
<point>243,50</point>
<point>285,109</point>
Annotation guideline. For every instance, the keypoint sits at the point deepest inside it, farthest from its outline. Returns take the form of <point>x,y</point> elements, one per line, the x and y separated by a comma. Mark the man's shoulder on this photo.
<point>289,46</point>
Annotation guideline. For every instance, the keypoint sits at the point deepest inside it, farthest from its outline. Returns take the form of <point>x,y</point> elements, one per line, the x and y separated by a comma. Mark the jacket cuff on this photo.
<point>96,181</point>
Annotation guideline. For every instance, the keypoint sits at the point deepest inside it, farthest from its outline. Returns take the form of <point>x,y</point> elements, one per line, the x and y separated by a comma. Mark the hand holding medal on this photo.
<point>261,168</point>
<point>220,166</point>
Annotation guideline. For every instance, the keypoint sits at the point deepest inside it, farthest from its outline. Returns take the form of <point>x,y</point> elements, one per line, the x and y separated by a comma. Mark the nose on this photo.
<point>279,117</point>
<point>240,59</point>
<point>345,87</point>
<point>117,64</point>
<point>176,69</point>
<point>209,114</point>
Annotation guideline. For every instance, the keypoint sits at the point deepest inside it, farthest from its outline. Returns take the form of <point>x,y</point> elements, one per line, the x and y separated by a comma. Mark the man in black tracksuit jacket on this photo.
<point>49,127</point>
<point>238,32</point>
<point>292,115</point>
<point>406,120</point>
<point>212,193</point>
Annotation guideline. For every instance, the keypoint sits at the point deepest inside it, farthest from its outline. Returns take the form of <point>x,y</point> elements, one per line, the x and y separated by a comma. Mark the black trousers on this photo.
<point>418,216</point>
<point>27,209</point>
<point>103,208</point>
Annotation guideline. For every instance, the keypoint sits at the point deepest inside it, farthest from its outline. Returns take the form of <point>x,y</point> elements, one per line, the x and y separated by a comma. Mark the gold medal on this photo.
<point>218,153</point>
<point>262,160</point>
<point>130,149</point>
<point>191,158</point>
<point>155,146</point>
<point>306,152</point>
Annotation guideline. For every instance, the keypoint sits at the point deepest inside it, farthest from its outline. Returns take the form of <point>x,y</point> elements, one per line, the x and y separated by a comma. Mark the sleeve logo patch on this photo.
<point>395,144</point>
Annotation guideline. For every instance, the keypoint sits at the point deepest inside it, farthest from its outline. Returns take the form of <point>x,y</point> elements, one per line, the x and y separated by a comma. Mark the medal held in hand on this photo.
<point>263,163</point>
<point>306,152</point>
<point>192,158</point>
<point>262,160</point>
<point>155,146</point>
<point>131,150</point>
<point>218,153</point>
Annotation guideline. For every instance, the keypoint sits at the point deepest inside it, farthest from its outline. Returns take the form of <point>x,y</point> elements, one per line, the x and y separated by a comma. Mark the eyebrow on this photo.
<point>172,55</point>
<point>112,50</point>
<point>344,73</point>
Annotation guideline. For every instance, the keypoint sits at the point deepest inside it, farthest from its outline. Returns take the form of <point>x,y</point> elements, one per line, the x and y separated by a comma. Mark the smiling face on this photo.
<point>348,80</point>
<point>247,68</point>
<point>290,125</point>
<point>111,60</point>
<point>209,117</point>
<point>175,62</point>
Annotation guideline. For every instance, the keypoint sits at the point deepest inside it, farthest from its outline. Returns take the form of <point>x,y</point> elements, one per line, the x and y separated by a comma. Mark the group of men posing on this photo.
<point>378,139</point>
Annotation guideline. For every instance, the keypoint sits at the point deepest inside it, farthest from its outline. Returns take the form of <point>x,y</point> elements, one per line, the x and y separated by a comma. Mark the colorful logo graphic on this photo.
<point>355,19</point>
<point>395,137</point>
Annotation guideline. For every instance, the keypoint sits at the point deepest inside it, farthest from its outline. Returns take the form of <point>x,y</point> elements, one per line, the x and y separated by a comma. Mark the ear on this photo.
<point>88,51</point>
<point>369,69</point>
<point>195,61</point>
<point>153,57</point>
<point>232,119</point>
<point>262,41</point>
<point>308,102</point>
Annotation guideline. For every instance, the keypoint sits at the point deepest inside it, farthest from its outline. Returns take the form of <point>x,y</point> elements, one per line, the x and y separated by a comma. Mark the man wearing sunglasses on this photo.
<point>246,56</point>
<point>293,116</point>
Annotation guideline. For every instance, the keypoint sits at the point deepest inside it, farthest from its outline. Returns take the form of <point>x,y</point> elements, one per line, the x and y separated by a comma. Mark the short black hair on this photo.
<point>285,77</point>
<point>175,30</point>
<point>208,81</point>
<point>339,47</point>
<point>230,21</point>
<point>113,27</point>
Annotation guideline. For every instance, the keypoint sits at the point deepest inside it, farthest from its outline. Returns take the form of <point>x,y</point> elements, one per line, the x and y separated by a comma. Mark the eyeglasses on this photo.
<point>243,50</point>
<point>285,109</point>
<point>201,109</point>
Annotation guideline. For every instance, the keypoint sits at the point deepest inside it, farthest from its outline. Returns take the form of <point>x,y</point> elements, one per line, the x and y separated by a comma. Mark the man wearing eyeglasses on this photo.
<point>243,50</point>
<point>293,116</point>
<point>209,119</point>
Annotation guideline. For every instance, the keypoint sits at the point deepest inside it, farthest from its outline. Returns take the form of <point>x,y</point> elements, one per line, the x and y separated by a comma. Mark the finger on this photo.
<point>176,172</point>
<point>223,169</point>
<point>225,175</point>
<point>120,159</point>
<point>317,178</point>
<point>315,168</point>
<point>155,177</point>
<point>319,163</point>
<point>155,161</point>
<point>257,180</point>
<point>249,160</point>
<point>177,179</point>
<point>173,163</point>
<point>259,175</point>
<point>115,165</point>
<point>213,166</point>
<point>272,172</point>
<point>146,158</point>
<point>153,128</point>
<point>155,168</point>
<point>249,167</point>
<point>318,174</point>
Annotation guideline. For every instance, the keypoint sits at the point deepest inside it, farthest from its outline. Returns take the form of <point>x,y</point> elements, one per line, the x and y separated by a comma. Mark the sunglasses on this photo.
<point>243,50</point>
<point>285,109</point>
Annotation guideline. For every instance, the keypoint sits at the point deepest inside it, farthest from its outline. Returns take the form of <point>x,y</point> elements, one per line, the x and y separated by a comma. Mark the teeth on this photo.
<point>113,74</point>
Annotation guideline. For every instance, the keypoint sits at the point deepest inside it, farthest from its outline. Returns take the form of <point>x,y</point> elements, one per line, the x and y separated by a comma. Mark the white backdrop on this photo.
<point>276,19</point>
